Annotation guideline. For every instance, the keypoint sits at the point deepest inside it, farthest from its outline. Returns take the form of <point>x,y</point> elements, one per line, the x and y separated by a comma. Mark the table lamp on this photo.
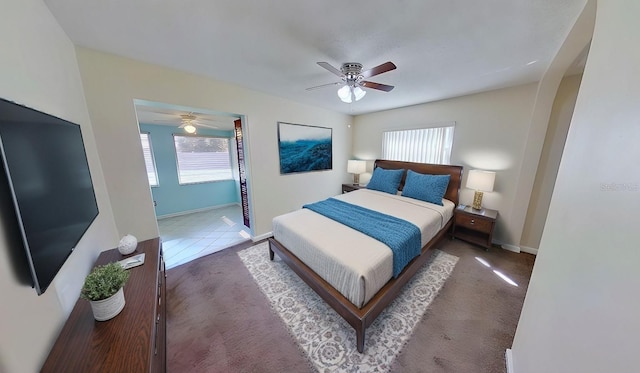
<point>480,181</point>
<point>356,168</point>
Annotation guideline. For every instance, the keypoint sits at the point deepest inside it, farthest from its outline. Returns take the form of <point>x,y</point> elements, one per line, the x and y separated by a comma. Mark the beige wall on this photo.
<point>581,309</point>
<point>38,69</point>
<point>574,45</point>
<point>549,162</point>
<point>112,83</point>
<point>490,134</point>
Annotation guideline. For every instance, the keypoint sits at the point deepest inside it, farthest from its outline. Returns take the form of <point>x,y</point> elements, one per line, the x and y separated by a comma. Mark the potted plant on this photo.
<point>103,289</point>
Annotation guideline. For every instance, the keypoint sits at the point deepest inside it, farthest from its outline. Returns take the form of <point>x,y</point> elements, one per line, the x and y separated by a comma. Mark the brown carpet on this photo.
<point>219,321</point>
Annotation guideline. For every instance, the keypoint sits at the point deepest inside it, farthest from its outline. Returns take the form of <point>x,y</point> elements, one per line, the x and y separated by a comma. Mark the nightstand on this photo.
<point>474,226</point>
<point>346,188</point>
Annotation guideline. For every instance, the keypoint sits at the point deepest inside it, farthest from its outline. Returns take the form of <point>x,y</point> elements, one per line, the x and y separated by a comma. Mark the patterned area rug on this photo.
<point>328,341</point>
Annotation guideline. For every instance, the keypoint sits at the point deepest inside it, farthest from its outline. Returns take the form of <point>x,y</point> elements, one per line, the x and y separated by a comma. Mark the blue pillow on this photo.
<point>428,188</point>
<point>385,180</point>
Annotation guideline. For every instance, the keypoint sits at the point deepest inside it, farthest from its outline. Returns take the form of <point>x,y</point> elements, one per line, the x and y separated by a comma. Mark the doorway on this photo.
<point>195,166</point>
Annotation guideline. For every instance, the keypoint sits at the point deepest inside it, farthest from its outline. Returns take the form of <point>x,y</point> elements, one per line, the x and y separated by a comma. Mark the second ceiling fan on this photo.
<point>353,78</point>
<point>189,122</point>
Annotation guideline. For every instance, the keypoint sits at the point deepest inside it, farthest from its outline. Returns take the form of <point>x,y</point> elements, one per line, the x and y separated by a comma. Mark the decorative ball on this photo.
<point>127,244</point>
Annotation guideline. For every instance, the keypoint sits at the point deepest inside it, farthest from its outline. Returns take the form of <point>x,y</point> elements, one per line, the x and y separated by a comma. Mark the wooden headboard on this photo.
<point>453,190</point>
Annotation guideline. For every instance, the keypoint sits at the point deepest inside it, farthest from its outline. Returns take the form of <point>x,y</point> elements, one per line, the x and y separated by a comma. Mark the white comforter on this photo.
<point>353,263</point>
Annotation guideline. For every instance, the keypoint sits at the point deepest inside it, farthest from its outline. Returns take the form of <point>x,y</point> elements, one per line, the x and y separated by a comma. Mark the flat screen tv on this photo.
<point>50,184</point>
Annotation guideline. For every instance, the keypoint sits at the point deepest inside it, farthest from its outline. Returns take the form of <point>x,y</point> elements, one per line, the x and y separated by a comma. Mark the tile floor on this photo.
<point>191,236</point>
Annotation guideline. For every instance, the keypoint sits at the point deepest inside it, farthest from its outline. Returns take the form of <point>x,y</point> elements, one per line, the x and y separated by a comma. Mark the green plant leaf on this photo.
<point>104,281</point>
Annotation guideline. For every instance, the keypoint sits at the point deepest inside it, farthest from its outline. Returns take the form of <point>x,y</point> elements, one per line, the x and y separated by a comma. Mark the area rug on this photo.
<point>327,340</point>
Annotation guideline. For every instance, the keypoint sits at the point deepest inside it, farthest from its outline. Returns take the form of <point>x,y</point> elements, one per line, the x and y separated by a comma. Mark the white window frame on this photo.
<point>149,160</point>
<point>183,179</point>
<point>430,144</point>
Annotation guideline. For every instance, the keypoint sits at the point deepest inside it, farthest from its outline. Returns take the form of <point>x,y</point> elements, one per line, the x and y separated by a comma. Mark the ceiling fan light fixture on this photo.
<point>345,94</point>
<point>359,93</point>
<point>353,79</point>
<point>190,128</point>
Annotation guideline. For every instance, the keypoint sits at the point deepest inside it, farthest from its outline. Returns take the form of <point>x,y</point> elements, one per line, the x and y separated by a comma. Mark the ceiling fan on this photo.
<point>189,122</point>
<point>353,79</point>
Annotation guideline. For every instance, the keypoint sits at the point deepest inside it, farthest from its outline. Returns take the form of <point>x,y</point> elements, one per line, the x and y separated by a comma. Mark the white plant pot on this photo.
<point>109,308</point>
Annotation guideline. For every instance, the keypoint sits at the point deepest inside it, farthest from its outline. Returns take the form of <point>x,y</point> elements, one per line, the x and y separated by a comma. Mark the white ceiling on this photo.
<point>442,48</point>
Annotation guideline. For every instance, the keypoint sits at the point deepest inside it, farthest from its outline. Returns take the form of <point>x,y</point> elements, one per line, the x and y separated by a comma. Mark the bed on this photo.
<point>353,272</point>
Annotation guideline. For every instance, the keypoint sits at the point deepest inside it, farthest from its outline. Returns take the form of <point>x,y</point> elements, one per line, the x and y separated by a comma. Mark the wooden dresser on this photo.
<point>134,340</point>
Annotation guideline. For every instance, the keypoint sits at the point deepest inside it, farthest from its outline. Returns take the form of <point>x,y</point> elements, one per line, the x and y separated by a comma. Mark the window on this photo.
<point>149,163</point>
<point>202,159</point>
<point>425,145</point>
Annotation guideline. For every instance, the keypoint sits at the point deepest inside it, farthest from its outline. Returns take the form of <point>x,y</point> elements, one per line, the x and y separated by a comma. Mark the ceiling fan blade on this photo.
<point>206,125</point>
<point>200,120</point>
<point>166,120</point>
<point>387,66</point>
<point>378,86</point>
<point>323,85</point>
<point>332,69</point>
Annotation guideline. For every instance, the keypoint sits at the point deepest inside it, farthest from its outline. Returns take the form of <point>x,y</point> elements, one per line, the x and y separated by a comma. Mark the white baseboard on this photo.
<point>262,237</point>
<point>509,361</point>
<point>194,211</point>
<point>514,248</point>
<point>529,250</point>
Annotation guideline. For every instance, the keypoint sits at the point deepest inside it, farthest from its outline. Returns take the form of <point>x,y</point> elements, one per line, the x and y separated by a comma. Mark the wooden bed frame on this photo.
<point>361,318</point>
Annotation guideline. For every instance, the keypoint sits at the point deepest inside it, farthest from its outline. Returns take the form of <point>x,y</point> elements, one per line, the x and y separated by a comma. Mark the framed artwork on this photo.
<point>304,148</point>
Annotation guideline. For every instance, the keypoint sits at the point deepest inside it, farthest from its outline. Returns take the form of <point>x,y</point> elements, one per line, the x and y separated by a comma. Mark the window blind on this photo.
<point>149,161</point>
<point>424,145</point>
<point>202,159</point>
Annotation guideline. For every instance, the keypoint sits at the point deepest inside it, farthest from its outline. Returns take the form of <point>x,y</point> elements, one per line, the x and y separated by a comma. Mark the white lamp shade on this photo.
<point>190,128</point>
<point>481,180</point>
<point>345,94</point>
<point>359,93</point>
<point>356,167</point>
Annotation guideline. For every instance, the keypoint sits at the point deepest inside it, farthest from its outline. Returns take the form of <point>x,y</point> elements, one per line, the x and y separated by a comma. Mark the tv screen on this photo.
<point>48,175</point>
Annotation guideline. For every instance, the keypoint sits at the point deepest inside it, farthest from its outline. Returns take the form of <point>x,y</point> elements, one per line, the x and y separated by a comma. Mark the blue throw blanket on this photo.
<point>400,235</point>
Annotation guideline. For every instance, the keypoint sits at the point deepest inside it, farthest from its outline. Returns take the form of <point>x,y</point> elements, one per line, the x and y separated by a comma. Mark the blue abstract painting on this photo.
<point>304,148</point>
